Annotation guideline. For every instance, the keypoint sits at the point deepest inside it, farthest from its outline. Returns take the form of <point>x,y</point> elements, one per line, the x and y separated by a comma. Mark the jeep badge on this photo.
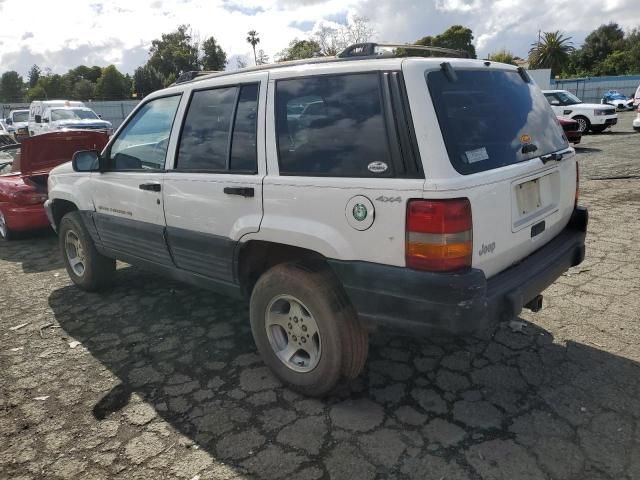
<point>377,167</point>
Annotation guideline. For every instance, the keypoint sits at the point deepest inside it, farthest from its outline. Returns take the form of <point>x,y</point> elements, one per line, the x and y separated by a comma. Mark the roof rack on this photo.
<point>193,74</point>
<point>377,50</point>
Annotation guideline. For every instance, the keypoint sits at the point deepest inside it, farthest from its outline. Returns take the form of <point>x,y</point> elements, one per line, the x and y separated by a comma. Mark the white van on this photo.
<point>51,115</point>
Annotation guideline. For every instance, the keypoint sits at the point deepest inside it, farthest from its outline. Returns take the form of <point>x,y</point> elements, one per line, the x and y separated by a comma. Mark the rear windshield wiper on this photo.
<point>552,156</point>
<point>529,148</point>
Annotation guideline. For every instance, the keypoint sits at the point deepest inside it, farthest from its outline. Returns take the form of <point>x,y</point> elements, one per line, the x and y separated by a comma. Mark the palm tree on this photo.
<point>551,51</point>
<point>253,39</point>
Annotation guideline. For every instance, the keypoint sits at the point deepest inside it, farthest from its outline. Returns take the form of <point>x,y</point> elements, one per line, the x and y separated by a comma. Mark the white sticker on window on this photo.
<point>476,155</point>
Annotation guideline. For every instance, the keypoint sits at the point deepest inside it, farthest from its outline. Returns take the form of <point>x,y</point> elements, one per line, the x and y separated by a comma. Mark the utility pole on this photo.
<point>539,32</point>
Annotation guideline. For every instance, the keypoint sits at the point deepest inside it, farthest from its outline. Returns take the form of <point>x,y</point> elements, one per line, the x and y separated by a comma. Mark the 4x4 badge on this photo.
<point>359,212</point>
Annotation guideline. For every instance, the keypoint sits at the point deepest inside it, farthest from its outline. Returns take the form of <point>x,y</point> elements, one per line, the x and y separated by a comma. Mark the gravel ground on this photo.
<point>158,380</point>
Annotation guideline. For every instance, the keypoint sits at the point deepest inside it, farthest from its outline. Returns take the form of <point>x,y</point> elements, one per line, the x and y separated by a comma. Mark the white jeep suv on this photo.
<point>415,196</point>
<point>596,117</point>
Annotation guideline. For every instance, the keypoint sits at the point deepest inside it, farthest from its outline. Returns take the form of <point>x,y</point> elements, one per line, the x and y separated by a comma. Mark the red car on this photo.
<point>571,129</point>
<point>24,169</point>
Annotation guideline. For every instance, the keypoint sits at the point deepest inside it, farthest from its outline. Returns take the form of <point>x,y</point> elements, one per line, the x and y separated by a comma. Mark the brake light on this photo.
<point>439,234</point>
<point>577,184</point>
<point>28,196</point>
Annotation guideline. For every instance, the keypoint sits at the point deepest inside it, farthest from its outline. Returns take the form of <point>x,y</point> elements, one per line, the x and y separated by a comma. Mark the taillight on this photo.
<point>439,234</point>
<point>577,184</point>
<point>28,197</point>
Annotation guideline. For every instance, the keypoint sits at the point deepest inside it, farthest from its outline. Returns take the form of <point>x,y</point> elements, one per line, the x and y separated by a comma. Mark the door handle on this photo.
<point>151,187</point>
<point>242,191</point>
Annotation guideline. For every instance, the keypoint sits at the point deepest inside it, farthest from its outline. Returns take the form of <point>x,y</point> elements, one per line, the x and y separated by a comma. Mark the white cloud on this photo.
<point>66,33</point>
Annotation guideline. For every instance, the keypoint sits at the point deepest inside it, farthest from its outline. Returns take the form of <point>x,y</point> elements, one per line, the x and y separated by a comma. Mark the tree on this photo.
<point>213,57</point>
<point>262,58</point>
<point>34,75</point>
<point>11,86</point>
<point>174,53</point>
<point>299,49</point>
<point>84,90</point>
<point>241,62</point>
<point>253,40</point>
<point>333,40</point>
<point>112,85</point>
<point>601,43</point>
<point>456,37</point>
<point>502,56</point>
<point>552,52</point>
<point>147,80</point>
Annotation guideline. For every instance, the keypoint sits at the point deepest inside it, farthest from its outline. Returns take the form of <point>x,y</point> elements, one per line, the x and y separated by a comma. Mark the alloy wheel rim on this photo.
<point>75,253</point>
<point>3,226</point>
<point>293,333</point>
<point>582,124</point>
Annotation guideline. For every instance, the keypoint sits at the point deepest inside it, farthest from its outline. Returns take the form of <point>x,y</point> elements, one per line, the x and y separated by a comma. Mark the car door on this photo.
<point>213,192</point>
<point>127,194</point>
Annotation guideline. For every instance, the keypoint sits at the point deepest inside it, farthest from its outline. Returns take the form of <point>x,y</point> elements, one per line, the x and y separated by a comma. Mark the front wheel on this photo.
<point>583,124</point>
<point>87,268</point>
<point>306,330</point>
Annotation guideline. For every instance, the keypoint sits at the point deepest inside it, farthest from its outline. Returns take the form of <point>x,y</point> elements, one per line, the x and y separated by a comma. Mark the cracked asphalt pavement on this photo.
<point>155,379</point>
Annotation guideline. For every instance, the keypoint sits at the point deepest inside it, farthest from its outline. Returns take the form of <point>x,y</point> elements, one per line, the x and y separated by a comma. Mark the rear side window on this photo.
<point>331,125</point>
<point>492,118</point>
<point>219,132</point>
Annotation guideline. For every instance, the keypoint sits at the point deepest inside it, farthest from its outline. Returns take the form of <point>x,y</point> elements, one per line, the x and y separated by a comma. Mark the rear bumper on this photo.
<point>459,303</point>
<point>21,218</point>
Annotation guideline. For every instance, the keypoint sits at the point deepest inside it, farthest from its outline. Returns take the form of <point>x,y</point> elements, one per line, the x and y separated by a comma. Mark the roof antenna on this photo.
<point>449,72</point>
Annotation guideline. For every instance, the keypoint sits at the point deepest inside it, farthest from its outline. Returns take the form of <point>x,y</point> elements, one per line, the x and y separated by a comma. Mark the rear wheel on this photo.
<point>87,268</point>
<point>306,329</point>
<point>583,123</point>
<point>5,233</point>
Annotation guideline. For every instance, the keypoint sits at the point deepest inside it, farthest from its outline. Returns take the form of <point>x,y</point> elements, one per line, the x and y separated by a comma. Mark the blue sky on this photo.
<point>65,33</point>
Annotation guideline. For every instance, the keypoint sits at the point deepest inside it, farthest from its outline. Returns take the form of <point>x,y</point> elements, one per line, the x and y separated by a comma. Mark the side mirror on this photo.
<point>8,121</point>
<point>38,119</point>
<point>100,116</point>
<point>86,161</point>
<point>555,103</point>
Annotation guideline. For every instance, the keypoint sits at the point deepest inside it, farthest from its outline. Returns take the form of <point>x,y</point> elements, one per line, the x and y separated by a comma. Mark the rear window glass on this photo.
<point>492,118</point>
<point>331,125</point>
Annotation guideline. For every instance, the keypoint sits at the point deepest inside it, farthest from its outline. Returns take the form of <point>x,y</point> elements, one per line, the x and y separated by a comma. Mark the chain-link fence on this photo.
<point>591,90</point>
<point>113,111</point>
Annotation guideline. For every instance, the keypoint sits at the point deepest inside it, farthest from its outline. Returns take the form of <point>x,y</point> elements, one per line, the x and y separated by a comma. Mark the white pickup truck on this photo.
<point>51,115</point>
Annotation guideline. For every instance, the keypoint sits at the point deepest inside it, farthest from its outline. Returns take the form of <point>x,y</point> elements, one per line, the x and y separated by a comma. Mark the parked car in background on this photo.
<point>24,170</point>
<point>51,115</point>
<point>571,129</point>
<point>618,100</point>
<point>18,120</point>
<point>6,136</point>
<point>636,121</point>
<point>636,97</point>
<point>590,116</point>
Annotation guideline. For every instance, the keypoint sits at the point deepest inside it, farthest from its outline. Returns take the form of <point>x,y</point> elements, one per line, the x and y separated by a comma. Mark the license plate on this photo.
<point>528,197</point>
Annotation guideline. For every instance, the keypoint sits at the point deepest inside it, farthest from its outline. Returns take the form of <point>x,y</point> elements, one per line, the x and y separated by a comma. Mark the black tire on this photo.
<point>5,233</point>
<point>342,337</point>
<point>598,128</point>
<point>584,124</point>
<point>98,270</point>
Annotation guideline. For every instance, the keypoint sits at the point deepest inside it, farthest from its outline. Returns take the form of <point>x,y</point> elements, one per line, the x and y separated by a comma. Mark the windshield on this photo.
<point>72,114</point>
<point>568,98</point>
<point>492,118</point>
<point>21,116</point>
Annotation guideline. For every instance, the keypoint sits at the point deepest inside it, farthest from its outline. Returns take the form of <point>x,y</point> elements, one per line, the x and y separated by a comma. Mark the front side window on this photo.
<point>142,144</point>
<point>219,132</point>
<point>21,116</point>
<point>331,125</point>
<point>492,118</point>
